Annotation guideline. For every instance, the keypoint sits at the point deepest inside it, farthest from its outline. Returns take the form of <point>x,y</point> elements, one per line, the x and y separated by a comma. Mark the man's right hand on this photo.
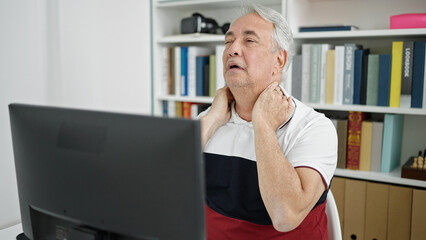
<point>218,115</point>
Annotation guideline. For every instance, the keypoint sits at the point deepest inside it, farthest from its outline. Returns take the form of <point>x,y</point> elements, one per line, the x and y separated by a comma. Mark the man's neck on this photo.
<point>244,103</point>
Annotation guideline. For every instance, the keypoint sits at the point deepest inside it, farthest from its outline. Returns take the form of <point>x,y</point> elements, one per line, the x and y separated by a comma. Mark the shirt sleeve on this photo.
<point>316,148</point>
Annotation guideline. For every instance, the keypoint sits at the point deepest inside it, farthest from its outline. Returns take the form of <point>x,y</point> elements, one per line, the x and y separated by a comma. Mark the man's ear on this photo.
<point>281,60</point>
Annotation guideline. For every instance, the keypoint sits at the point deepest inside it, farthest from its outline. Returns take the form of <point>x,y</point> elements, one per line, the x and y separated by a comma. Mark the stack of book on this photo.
<point>176,109</point>
<point>192,71</point>
<point>349,74</point>
<point>369,145</point>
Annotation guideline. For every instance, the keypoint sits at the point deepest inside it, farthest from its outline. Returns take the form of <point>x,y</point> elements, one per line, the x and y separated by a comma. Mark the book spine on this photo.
<point>385,65</point>
<point>376,146</point>
<point>199,81</point>
<point>424,86</point>
<point>184,71</point>
<point>171,109</point>
<point>212,75</point>
<point>365,149</point>
<point>418,75</point>
<point>395,87</point>
<point>348,79</point>
<point>306,70</point>
<point>178,109</point>
<point>357,77</point>
<point>296,85</point>
<point>354,139</point>
<point>363,98</point>
<point>323,75</point>
<point>186,110</point>
<point>177,71</point>
<point>206,76</point>
<point>392,140</point>
<point>165,109</point>
<point>329,88</point>
<point>315,74</point>
<point>342,136</point>
<point>220,80</point>
<point>338,75</point>
<point>372,89</point>
<point>192,72</point>
<point>407,74</point>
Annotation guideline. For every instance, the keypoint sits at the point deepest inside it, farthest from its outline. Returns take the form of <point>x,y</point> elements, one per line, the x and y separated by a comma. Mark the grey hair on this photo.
<point>281,35</point>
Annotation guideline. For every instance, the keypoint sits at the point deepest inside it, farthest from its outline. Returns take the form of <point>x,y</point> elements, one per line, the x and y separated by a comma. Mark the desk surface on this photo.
<point>10,233</point>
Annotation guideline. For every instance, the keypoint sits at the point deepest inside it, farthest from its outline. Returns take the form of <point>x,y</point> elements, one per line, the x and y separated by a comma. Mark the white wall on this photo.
<point>22,79</point>
<point>82,53</point>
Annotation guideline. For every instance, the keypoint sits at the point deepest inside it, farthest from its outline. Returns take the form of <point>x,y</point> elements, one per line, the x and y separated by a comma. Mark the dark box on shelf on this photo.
<point>414,173</point>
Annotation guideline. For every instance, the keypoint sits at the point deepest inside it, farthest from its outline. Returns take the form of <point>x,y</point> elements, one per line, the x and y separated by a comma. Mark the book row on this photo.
<point>369,145</point>
<point>349,74</point>
<point>176,109</point>
<point>192,71</point>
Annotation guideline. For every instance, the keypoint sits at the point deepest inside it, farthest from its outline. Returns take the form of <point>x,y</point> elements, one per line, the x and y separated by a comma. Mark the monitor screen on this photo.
<point>96,175</point>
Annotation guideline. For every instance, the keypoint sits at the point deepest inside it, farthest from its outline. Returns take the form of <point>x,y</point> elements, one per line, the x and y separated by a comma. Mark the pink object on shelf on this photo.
<point>408,20</point>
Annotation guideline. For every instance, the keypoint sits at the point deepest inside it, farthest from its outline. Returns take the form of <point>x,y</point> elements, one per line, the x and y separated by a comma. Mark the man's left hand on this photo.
<point>272,108</point>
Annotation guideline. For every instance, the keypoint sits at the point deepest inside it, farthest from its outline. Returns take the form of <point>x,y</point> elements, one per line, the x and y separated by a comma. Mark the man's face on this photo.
<point>248,60</point>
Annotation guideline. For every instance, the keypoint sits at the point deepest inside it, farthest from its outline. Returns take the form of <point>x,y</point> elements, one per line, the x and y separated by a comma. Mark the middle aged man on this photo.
<point>269,158</point>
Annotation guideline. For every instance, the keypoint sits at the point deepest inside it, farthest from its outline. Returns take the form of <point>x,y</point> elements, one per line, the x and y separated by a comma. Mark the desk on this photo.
<point>10,233</point>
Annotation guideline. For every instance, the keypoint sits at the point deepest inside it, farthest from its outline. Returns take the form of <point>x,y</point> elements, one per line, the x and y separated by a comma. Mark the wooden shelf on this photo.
<point>393,177</point>
<point>362,34</point>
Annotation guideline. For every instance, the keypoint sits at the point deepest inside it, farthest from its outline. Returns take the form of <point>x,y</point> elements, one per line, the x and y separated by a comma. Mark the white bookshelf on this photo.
<point>393,177</point>
<point>370,16</point>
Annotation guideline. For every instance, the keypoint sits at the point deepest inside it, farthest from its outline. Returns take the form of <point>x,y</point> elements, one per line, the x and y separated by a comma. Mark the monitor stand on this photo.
<point>22,237</point>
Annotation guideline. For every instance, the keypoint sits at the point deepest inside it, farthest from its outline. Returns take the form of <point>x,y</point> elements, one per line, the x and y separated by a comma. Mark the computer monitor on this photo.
<point>96,175</point>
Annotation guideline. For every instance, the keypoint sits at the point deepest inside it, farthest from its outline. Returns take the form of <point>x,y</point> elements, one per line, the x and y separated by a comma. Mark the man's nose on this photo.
<point>234,50</point>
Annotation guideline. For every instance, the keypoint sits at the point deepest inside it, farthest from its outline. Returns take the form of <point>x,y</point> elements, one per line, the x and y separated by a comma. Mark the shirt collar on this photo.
<point>235,118</point>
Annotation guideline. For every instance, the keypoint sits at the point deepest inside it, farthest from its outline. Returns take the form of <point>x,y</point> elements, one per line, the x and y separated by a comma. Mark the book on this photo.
<point>418,75</point>
<point>424,87</point>
<point>407,74</point>
<point>165,106</point>
<point>323,77</point>
<point>220,80</point>
<point>365,148</point>
<point>193,52</point>
<point>338,74</point>
<point>329,85</point>
<point>177,71</point>
<point>342,137</point>
<point>178,109</point>
<point>206,77</point>
<point>327,28</point>
<point>385,66</point>
<point>372,88</point>
<point>183,71</point>
<point>170,71</point>
<point>201,61</point>
<point>296,85</point>
<point>396,70</point>
<point>360,76</point>
<point>186,110</point>
<point>348,77</point>
<point>306,71</point>
<point>171,112</point>
<point>392,140</point>
<point>315,74</point>
<point>354,139</point>
<point>376,146</point>
<point>212,75</point>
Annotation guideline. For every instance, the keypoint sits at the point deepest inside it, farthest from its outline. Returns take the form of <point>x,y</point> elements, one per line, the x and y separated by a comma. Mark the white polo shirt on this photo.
<point>309,139</point>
